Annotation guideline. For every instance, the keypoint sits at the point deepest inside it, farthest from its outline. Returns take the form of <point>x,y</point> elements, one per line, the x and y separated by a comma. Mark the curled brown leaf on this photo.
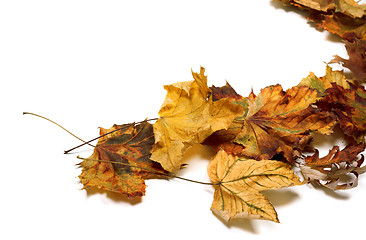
<point>337,170</point>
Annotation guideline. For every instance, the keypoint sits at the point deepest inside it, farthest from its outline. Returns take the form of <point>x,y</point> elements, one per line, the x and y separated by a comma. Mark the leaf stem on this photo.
<point>24,113</point>
<point>167,174</point>
<point>126,126</point>
<point>194,181</point>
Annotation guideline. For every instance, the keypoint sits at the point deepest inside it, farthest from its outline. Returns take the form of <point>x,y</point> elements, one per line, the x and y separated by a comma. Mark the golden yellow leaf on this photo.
<point>188,116</point>
<point>239,182</point>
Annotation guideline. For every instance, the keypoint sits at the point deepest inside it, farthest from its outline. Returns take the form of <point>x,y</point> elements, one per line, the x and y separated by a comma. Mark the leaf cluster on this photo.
<point>258,139</point>
<point>345,18</point>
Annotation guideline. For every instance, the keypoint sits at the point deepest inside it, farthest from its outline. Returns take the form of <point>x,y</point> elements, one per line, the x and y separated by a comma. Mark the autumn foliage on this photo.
<point>259,138</point>
<point>345,18</point>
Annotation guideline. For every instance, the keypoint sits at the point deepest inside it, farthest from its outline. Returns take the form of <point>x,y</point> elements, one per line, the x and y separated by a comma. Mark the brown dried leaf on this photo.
<point>350,107</point>
<point>348,7</point>
<point>274,122</point>
<point>342,97</point>
<point>346,18</point>
<point>338,170</point>
<point>342,25</point>
<point>357,59</point>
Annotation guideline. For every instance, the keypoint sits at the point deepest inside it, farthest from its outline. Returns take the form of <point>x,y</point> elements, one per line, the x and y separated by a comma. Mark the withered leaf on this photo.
<point>121,160</point>
<point>344,26</point>
<point>350,107</point>
<point>239,182</point>
<point>187,117</point>
<point>274,122</point>
<point>348,7</point>
<point>338,170</point>
<point>342,97</point>
<point>345,18</point>
<point>348,154</point>
<point>357,59</point>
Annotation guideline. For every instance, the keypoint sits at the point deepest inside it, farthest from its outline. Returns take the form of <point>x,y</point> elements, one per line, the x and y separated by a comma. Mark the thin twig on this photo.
<point>121,128</point>
<point>170,175</point>
<point>24,113</point>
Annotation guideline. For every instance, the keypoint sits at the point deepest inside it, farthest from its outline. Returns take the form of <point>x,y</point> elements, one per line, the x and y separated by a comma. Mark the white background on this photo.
<point>90,64</point>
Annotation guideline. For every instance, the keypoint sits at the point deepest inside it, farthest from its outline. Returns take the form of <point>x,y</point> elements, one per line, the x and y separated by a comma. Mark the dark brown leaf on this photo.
<point>350,107</point>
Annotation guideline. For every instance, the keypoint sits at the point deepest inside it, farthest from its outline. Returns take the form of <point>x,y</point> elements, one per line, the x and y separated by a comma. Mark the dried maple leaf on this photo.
<point>188,116</point>
<point>342,97</point>
<point>338,170</point>
<point>239,181</point>
<point>357,59</point>
<point>274,122</point>
<point>120,161</point>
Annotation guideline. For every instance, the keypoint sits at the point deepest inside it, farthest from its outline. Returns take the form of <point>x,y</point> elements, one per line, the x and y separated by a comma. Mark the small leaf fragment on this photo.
<point>357,59</point>
<point>323,83</point>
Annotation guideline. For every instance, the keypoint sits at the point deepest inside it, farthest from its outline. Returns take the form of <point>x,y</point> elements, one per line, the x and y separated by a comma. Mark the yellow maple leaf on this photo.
<point>239,181</point>
<point>188,116</point>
